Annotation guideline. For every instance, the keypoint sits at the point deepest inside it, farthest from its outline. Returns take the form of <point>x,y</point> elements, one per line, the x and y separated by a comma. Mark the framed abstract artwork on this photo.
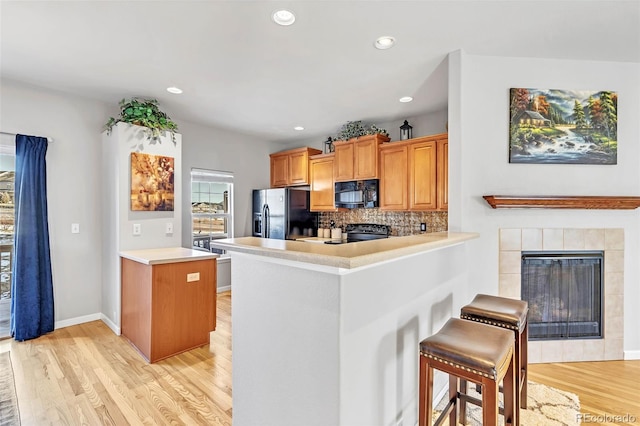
<point>550,126</point>
<point>152,186</point>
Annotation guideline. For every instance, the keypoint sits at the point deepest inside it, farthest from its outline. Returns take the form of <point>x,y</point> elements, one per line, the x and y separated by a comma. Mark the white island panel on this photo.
<point>315,344</point>
<point>285,344</point>
<point>386,310</point>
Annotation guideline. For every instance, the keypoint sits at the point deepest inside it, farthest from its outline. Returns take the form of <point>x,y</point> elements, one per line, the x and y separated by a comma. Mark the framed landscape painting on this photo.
<point>563,126</point>
<point>151,182</point>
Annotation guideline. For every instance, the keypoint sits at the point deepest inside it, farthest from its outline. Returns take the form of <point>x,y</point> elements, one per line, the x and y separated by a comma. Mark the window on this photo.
<point>7,179</point>
<point>211,207</point>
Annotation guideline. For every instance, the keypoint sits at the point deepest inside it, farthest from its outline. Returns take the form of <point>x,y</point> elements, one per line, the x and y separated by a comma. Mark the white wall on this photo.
<point>245,156</point>
<point>422,125</point>
<point>73,185</point>
<point>478,149</point>
<point>74,181</point>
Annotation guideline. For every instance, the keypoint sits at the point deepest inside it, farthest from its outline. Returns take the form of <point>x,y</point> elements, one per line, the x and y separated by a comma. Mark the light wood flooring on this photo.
<point>604,388</point>
<point>87,375</point>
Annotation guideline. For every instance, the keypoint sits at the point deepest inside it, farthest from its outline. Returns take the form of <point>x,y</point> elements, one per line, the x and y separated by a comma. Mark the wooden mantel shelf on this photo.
<point>562,202</point>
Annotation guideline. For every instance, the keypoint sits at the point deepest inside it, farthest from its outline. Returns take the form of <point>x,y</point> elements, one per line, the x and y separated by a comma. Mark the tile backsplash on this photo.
<point>402,223</point>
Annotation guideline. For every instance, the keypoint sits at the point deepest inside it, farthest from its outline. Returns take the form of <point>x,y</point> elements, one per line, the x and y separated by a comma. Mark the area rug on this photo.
<point>546,406</point>
<point>9,414</point>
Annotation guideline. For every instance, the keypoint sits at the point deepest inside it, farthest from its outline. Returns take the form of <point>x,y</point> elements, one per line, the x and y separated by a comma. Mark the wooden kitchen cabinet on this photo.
<point>393,177</point>
<point>414,174</point>
<point>343,151</point>
<point>279,170</point>
<point>322,197</point>
<point>291,167</point>
<point>358,158</point>
<point>168,308</point>
<point>442,168</point>
<point>422,176</point>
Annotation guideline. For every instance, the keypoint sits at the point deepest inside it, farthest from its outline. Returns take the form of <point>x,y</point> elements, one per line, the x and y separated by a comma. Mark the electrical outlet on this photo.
<point>423,227</point>
<point>137,229</point>
<point>169,228</point>
<point>195,276</point>
<point>75,228</point>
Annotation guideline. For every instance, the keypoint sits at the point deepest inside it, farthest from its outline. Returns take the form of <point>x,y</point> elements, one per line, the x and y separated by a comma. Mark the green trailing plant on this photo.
<point>145,113</point>
<point>355,129</point>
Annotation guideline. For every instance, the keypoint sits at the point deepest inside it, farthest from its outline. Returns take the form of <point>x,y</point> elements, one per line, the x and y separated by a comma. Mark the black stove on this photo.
<point>364,232</point>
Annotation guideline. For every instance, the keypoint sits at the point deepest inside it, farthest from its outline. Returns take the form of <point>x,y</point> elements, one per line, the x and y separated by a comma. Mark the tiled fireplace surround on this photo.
<point>515,240</point>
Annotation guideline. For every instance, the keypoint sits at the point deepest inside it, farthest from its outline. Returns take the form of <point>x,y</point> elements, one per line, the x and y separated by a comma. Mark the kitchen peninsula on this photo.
<point>328,334</point>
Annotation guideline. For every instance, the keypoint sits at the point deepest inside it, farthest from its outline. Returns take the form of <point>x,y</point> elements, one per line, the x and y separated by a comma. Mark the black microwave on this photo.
<point>357,194</point>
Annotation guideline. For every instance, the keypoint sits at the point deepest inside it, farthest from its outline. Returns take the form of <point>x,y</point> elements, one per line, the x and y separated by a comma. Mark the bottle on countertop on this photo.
<point>336,233</point>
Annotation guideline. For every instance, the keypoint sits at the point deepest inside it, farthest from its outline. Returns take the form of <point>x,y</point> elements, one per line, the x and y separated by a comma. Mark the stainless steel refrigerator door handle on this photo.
<point>267,220</point>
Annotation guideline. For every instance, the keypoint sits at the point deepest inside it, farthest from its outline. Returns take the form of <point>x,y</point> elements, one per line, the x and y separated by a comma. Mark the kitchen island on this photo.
<point>328,334</point>
<point>168,300</point>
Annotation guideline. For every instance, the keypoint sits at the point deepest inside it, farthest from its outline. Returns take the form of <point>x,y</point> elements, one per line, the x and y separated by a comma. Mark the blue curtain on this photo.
<point>31,281</point>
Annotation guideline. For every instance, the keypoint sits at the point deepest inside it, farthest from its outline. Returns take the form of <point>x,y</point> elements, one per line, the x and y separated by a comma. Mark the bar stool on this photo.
<point>471,351</point>
<point>510,314</point>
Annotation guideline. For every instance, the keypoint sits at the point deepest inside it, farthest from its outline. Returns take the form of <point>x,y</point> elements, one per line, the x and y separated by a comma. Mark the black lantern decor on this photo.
<point>405,131</point>
<point>328,145</point>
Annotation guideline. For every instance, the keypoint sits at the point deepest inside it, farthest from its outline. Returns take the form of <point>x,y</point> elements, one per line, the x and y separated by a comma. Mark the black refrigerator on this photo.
<point>283,214</point>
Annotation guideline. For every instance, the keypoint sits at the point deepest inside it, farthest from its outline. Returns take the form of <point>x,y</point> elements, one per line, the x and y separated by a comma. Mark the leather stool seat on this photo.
<point>471,351</point>
<point>470,346</point>
<point>497,311</point>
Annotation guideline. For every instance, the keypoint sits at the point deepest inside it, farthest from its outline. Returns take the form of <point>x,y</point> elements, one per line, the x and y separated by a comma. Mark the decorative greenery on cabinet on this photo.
<point>354,129</point>
<point>145,113</point>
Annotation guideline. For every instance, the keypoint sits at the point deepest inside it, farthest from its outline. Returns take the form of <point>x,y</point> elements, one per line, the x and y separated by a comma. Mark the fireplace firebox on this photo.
<point>565,295</point>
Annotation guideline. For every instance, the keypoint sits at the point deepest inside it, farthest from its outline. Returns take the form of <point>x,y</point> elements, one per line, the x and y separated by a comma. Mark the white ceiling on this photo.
<point>242,72</point>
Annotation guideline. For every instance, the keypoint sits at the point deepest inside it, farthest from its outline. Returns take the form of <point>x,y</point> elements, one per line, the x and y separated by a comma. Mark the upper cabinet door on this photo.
<point>299,168</point>
<point>343,161</point>
<point>393,178</point>
<point>279,170</point>
<point>322,188</point>
<point>422,176</point>
<point>443,174</point>
<point>365,154</point>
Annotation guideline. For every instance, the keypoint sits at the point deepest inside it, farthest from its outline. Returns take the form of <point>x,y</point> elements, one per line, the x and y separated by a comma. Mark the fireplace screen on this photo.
<point>564,291</point>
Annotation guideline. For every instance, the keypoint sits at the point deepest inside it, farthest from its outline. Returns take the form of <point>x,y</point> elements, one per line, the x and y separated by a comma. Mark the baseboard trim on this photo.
<point>631,355</point>
<point>441,394</point>
<point>223,288</point>
<point>105,319</point>
<point>77,320</point>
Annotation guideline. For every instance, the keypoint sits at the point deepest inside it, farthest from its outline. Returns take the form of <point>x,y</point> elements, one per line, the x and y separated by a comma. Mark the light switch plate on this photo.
<point>137,229</point>
<point>195,276</point>
<point>169,228</point>
<point>75,228</point>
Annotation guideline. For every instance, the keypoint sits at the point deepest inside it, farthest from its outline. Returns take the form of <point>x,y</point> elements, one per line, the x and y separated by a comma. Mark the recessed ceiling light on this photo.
<point>298,128</point>
<point>406,99</point>
<point>385,42</point>
<point>283,17</point>
<point>174,90</point>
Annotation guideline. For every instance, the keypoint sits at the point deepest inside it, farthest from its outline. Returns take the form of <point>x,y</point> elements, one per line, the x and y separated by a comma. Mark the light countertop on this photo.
<point>351,255</point>
<point>318,240</point>
<point>166,255</point>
